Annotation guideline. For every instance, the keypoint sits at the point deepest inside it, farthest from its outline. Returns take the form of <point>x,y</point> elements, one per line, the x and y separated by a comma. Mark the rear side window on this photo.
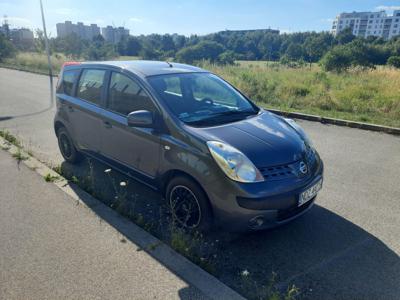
<point>67,83</point>
<point>90,85</point>
<point>126,96</point>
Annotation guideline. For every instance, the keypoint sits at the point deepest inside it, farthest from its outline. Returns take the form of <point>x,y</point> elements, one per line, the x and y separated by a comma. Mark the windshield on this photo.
<point>202,98</point>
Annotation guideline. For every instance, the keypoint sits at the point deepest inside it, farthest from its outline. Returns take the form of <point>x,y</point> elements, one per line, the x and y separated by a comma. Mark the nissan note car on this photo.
<point>217,157</point>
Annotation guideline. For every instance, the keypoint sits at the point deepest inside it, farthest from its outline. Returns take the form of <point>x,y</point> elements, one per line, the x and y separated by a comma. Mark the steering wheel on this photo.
<point>206,101</point>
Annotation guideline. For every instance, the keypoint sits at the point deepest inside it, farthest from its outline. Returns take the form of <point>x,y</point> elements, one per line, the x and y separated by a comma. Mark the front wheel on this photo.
<point>189,204</point>
<point>67,148</point>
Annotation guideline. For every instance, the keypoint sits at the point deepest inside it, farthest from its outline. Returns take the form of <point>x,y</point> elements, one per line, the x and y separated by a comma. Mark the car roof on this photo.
<point>149,68</point>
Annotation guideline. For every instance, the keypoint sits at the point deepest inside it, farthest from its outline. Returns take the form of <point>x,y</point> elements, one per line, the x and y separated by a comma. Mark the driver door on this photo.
<point>135,147</point>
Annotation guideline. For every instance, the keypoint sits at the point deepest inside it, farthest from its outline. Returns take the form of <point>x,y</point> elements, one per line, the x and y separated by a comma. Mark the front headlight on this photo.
<point>234,163</point>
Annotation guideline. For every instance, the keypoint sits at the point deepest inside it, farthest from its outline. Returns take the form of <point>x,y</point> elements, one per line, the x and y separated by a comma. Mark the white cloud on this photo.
<point>17,22</point>
<point>386,7</point>
<point>136,20</point>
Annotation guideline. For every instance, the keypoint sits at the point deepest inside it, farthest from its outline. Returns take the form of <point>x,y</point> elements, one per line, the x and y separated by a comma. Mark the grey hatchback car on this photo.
<point>218,158</point>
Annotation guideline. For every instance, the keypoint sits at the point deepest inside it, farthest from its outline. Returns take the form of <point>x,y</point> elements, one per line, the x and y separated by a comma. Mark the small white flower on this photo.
<point>107,170</point>
<point>122,183</point>
<point>245,273</point>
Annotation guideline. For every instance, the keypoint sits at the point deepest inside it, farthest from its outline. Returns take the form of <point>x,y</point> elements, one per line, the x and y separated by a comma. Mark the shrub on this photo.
<point>6,48</point>
<point>394,61</point>
<point>338,59</point>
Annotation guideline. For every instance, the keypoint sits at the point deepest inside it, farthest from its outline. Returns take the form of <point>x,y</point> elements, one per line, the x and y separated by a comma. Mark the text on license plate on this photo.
<point>308,194</point>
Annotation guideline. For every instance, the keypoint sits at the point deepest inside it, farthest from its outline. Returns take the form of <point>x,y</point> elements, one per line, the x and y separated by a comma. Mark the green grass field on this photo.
<point>371,96</point>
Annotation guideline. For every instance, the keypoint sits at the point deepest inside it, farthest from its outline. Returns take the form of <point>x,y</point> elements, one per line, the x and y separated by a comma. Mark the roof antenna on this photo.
<point>169,64</point>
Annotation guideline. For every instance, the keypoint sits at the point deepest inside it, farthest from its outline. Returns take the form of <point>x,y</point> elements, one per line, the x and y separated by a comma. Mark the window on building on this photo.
<point>67,83</point>
<point>90,85</point>
<point>126,96</point>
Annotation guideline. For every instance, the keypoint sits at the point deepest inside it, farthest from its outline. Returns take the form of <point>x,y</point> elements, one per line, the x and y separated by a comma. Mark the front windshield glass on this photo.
<point>201,98</point>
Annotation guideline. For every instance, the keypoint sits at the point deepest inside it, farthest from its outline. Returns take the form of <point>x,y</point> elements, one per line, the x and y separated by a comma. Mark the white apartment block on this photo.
<point>114,34</point>
<point>86,32</point>
<point>365,24</point>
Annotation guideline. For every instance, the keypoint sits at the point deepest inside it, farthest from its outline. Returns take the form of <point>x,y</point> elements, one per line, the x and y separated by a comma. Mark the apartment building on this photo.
<point>365,24</point>
<point>86,32</point>
<point>114,35</point>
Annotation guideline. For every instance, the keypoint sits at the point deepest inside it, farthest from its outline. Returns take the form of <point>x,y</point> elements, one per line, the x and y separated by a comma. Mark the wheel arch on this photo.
<point>167,177</point>
<point>57,126</point>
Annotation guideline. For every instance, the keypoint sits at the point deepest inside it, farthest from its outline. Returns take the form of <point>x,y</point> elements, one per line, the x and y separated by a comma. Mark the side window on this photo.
<point>90,85</point>
<point>67,82</point>
<point>126,96</point>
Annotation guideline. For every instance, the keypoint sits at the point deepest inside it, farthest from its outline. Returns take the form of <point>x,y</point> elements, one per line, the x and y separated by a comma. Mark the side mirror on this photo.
<point>140,118</point>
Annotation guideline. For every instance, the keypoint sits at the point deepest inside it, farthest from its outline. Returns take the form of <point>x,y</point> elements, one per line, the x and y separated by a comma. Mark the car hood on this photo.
<point>266,139</point>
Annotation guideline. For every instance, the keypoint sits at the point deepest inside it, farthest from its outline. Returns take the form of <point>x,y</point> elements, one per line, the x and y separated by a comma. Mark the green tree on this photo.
<point>133,46</point>
<point>227,58</point>
<point>6,48</point>
<point>338,59</point>
<point>345,36</point>
<point>205,50</point>
<point>100,50</point>
<point>394,61</point>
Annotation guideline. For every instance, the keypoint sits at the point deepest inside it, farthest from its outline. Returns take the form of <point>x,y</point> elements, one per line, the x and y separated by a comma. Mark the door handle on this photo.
<point>107,124</point>
<point>70,108</point>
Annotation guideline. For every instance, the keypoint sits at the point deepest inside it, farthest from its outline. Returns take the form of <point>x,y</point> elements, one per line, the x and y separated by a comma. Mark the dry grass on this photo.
<point>36,61</point>
<point>371,96</point>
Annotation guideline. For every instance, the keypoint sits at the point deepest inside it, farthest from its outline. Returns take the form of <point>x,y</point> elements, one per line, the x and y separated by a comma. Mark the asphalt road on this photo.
<point>346,247</point>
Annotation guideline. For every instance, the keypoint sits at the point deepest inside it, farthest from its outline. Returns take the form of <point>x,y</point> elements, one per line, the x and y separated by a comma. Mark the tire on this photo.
<point>67,147</point>
<point>200,217</point>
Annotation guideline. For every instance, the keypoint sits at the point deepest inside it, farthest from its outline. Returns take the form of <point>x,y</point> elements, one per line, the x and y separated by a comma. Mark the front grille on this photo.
<point>291,170</point>
<point>278,172</point>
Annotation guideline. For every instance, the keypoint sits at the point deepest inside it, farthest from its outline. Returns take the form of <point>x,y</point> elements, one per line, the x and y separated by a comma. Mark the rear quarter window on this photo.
<point>67,82</point>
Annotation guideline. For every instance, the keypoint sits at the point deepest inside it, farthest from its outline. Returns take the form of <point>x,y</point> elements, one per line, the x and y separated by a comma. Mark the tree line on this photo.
<point>334,53</point>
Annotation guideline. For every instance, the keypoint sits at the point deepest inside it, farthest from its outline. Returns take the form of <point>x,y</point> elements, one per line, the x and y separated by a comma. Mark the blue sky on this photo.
<point>188,16</point>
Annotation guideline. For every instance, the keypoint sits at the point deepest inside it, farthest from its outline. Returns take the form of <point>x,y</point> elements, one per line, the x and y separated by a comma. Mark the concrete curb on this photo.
<point>338,122</point>
<point>210,286</point>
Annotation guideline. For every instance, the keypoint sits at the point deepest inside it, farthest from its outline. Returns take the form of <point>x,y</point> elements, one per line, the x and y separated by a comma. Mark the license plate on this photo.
<point>310,193</point>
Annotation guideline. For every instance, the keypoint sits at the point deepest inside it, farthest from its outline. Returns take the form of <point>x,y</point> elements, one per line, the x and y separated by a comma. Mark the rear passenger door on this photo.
<point>134,147</point>
<point>86,110</point>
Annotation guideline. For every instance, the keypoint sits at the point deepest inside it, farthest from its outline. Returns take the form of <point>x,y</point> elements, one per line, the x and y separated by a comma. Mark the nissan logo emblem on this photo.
<point>303,167</point>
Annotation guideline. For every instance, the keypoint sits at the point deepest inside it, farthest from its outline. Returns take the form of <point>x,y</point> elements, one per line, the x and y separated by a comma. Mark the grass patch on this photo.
<point>50,178</point>
<point>19,156</point>
<point>10,138</point>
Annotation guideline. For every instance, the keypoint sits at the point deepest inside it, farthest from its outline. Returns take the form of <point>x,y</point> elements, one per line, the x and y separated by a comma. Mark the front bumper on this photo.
<point>257,206</point>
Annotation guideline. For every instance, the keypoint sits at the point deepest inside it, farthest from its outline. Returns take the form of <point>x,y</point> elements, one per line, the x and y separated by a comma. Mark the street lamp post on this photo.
<point>46,41</point>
